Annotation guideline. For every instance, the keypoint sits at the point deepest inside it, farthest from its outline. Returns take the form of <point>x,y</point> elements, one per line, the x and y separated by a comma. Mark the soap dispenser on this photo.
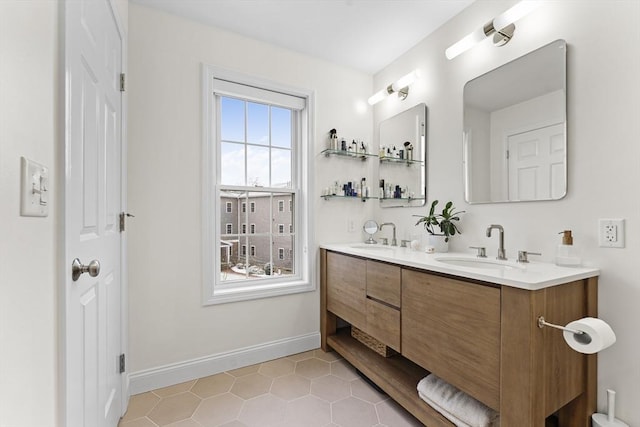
<point>567,254</point>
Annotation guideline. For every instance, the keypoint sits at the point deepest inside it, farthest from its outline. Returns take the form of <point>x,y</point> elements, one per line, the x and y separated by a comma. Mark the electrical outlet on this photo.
<point>611,233</point>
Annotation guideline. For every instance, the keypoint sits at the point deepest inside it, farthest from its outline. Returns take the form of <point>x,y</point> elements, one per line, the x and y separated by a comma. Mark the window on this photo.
<point>257,152</point>
<point>290,228</point>
<point>229,228</point>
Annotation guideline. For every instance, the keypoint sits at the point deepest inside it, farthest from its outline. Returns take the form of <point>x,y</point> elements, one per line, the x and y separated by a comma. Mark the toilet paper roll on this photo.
<point>599,335</point>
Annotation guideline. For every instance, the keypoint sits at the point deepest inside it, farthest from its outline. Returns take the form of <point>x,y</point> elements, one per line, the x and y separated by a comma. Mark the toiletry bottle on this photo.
<point>333,139</point>
<point>383,150</point>
<point>567,254</point>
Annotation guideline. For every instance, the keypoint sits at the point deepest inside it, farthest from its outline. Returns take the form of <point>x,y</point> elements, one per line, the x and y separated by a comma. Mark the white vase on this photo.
<point>437,242</point>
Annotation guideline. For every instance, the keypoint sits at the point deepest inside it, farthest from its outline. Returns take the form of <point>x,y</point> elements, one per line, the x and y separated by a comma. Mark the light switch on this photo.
<point>34,188</point>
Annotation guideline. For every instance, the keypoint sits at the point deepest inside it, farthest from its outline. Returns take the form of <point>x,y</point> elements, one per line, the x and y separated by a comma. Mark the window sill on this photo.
<point>246,293</point>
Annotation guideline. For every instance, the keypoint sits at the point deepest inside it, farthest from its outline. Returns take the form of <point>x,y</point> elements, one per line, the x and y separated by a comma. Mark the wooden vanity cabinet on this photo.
<point>452,329</point>
<point>481,337</point>
<point>346,297</point>
<point>366,294</point>
<point>383,303</point>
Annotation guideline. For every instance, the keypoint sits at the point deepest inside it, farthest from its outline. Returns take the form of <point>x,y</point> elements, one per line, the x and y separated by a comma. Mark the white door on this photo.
<point>93,393</point>
<point>537,164</point>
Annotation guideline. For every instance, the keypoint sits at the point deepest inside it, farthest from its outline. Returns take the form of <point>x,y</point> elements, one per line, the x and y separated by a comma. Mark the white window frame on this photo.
<point>252,228</point>
<point>280,205</point>
<point>229,228</point>
<point>244,228</point>
<point>252,207</point>
<point>215,291</point>
<point>244,207</point>
<point>280,228</point>
<point>252,250</point>
<point>229,207</point>
<point>280,254</point>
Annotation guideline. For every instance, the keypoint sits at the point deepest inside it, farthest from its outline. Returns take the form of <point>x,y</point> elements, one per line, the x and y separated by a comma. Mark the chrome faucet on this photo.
<point>501,252</point>
<point>394,242</point>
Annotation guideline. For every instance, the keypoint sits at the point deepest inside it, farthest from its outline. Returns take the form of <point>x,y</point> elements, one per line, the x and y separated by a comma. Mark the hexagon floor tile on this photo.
<point>302,390</point>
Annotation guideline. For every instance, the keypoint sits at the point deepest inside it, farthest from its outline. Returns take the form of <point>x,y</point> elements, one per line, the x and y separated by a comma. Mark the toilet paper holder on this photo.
<point>585,338</point>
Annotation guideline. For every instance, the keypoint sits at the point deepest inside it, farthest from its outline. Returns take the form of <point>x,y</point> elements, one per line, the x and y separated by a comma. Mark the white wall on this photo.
<point>29,99</point>
<point>168,323</point>
<point>603,150</point>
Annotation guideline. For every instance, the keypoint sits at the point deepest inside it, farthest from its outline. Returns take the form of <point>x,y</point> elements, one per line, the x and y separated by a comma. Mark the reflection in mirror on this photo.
<point>370,227</point>
<point>402,168</point>
<point>514,131</point>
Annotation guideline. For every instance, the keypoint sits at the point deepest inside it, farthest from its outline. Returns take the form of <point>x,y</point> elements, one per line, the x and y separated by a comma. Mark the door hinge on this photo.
<point>122,81</point>
<point>122,363</point>
<point>123,215</point>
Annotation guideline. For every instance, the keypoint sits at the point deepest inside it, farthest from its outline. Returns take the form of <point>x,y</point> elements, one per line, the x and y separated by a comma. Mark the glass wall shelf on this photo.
<point>395,160</point>
<point>400,199</point>
<point>336,196</point>
<point>342,153</point>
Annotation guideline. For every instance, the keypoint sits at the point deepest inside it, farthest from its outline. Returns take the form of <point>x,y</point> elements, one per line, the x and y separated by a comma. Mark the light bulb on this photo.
<point>512,15</point>
<point>378,96</point>
<point>465,44</point>
<point>405,81</point>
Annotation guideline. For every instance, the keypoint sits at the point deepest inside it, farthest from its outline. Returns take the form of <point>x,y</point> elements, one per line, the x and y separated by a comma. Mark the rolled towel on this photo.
<point>463,410</point>
<point>447,415</point>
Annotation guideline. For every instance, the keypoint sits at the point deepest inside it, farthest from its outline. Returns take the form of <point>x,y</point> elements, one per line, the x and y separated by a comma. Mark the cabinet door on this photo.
<point>346,288</point>
<point>452,328</point>
<point>383,282</point>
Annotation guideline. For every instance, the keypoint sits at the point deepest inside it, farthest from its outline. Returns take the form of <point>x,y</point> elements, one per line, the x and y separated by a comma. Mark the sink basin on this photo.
<point>481,263</point>
<point>371,247</point>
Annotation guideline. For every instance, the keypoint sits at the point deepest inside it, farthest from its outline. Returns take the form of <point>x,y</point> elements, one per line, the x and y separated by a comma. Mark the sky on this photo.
<point>262,134</point>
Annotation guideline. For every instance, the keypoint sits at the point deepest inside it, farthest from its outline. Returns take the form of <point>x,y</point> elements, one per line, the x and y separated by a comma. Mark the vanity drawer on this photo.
<point>452,328</point>
<point>383,282</point>
<point>346,296</point>
<point>383,323</point>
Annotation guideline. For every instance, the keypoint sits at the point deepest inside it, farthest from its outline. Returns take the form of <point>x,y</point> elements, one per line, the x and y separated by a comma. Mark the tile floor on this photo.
<point>304,390</point>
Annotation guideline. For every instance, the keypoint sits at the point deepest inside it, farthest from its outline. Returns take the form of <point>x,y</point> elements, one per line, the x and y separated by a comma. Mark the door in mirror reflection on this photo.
<point>514,130</point>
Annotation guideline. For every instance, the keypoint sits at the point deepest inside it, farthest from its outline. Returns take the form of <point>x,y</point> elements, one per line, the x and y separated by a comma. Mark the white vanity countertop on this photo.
<point>531,276</point>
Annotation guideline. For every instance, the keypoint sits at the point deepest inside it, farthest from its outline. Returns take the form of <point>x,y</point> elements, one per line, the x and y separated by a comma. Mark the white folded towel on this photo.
<point>455,405</point>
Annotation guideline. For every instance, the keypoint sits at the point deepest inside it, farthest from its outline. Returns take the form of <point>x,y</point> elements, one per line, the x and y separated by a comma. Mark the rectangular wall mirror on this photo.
<point>514,130</point>
<point>402,155</point>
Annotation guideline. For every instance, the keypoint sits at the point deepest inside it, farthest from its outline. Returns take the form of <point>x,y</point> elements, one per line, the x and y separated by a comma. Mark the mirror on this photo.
<point>370,227</point>
<point>402,156</point>
<point>514,130</point>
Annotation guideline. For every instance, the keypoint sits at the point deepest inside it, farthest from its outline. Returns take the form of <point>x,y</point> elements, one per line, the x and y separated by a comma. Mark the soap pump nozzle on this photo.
<point>567,238</point>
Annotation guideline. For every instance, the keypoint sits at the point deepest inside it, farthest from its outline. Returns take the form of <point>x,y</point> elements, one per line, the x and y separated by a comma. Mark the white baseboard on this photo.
<point>176,373</point>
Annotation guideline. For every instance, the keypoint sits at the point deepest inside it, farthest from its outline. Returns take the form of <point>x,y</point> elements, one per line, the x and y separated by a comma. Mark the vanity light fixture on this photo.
<point>400,86</point>
<point>501,27</point>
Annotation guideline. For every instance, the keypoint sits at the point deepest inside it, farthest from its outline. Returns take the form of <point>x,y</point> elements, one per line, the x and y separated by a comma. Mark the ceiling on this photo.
<point>363,34</point>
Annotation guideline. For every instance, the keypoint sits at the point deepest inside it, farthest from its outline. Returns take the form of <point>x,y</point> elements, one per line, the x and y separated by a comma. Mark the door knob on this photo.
<point>77,268</point>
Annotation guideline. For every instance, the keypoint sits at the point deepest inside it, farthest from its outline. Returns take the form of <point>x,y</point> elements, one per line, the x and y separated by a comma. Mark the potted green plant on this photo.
<point>445,222</point>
